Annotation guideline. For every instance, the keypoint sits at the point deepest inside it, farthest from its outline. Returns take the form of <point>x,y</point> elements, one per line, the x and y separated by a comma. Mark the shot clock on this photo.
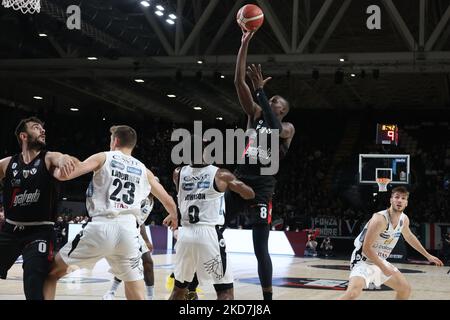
<point>387,134</point>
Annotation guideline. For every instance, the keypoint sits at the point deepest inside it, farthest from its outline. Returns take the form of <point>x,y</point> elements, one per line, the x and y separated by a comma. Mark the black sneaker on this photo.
<point>191,295</point>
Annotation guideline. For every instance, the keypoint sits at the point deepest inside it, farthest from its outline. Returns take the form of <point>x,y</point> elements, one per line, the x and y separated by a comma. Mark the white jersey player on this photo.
<point>146,248</point>
<point>374,245</point>
<point>119,185</point>
<point>201,247</point>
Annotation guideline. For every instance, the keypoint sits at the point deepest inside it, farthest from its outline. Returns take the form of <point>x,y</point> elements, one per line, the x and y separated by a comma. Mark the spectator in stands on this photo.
<point>327,247</point>
<point>311,247</point>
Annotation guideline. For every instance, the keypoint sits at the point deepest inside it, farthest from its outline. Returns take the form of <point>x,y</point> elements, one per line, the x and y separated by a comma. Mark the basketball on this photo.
<point>250,17</point>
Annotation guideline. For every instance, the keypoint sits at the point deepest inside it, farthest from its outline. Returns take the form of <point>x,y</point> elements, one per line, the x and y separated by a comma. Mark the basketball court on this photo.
<point>99,63</point>
<point>294,279</point>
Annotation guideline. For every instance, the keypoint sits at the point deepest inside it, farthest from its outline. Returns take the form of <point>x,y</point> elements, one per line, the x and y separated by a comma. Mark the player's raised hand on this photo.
<point>246,36</point>
<point>255,75</point>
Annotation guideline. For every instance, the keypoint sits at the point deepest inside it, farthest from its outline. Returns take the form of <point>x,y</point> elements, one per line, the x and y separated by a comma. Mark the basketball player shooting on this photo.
<point>263,117</point>
<point>374,245</point>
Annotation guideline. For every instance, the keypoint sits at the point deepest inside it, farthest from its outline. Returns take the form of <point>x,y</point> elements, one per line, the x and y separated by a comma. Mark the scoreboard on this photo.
<point>387,134</point>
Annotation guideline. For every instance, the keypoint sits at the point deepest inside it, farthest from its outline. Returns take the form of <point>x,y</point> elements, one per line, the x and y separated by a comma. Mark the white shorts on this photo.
<point>116,240</point>
<point>371,273</point>
<point>202,249</point>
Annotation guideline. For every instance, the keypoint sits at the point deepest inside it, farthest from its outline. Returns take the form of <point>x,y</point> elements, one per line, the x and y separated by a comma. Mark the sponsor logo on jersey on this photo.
<point>15,172</point>
<point>33,171</point>
<point>203,185</point>
<point>37,163</point>
<point>397,234</point>
<point>196,196</point>
<point>128,161</point>
<point>385,235</point>
<point>15,183</point>
<point>120,205</point>
<point>222,243</point>
<point>388,241</point>
<point>26,173</point>
<point>201,178</point>
<point>134,170</point>
<point>14,165</point>
<point>187,186</point>
<point>26,198</point>
<point>117,165</point>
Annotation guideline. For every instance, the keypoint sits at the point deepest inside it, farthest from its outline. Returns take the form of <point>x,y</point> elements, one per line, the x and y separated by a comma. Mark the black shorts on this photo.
<point>34,243</point>
<point>259,209</point>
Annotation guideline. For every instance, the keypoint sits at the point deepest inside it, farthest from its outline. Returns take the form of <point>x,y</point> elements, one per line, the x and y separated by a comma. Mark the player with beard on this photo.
<point>30,182</point>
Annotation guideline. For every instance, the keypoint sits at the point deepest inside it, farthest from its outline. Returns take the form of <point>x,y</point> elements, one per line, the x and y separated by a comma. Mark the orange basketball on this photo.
<point>250,17</point>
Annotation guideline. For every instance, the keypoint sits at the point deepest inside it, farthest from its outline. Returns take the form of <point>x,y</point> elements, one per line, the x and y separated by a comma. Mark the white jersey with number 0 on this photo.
<point>119,187</point>
<point>198,200</point>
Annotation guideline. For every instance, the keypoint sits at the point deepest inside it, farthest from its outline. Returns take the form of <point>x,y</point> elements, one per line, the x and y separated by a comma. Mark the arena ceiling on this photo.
<point>410,55</point>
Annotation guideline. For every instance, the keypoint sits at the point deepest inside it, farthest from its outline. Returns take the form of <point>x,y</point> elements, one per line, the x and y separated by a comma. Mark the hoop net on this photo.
<point>26,6</point>
<point>382,184</point>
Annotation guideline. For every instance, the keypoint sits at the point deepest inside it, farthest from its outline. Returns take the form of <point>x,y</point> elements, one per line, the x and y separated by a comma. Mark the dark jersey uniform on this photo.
<point>29,199</point>
<point>30,191</point>
<point>250,174</point>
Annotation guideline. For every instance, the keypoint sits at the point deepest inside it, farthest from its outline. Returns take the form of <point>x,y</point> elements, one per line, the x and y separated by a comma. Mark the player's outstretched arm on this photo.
<point>377,225</point>
<point>161,194</point>
<point>243,90</point>
<point>255,75</point>
<point>91,164</point>
<point>226,180</point>
<point>3,166</point>
<point>415,243</point>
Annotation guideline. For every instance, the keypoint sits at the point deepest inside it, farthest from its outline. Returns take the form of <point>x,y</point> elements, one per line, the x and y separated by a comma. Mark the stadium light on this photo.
<point>159,13</point>
<point>145,4</point>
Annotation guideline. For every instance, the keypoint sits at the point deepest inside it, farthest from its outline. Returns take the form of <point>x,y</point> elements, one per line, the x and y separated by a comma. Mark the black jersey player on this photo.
<point>264,117</point>
<point>30,185</point>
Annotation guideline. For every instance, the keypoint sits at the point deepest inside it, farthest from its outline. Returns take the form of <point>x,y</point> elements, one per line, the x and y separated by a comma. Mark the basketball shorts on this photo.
<point>370,272</point>
<point>115,239</point>
<point>259,209</point>
<point>201,249</point>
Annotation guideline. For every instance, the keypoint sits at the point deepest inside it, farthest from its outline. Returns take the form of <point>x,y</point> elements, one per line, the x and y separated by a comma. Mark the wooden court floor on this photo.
<point>294,279</point>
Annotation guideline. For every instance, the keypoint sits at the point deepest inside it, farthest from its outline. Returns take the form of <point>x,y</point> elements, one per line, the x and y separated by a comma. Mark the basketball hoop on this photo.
<point>382,184</point>
<point>26,6</point>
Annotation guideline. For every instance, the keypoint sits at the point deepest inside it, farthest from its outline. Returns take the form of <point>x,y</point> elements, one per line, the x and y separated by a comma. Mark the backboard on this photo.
<point>396,167</point>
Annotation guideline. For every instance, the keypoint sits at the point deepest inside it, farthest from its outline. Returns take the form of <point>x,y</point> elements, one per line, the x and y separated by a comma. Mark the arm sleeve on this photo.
<point>269,116</point>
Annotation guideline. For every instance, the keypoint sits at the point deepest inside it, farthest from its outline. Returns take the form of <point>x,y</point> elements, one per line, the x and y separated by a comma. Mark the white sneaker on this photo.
<point>109,296</point>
